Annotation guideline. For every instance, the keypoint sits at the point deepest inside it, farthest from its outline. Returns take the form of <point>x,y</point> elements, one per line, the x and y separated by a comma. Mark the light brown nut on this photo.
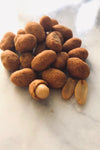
<point>53,42</point>
<point>46,22</point>
<point>68,89</point>
<point>23,77</point>
<point>43,60</point>
<point>77,68</point>
<point>10,60</point>
<point>81,53</point>
<point>36,29</point>
<point>66,32</point>
<point>61,60</point>
<point>81,91</point>
<point>21,31</point>
<point>71,44</point>
<point>38,89</point>
<point>25,59</point>
<point>54,77</point>
<point>40,47</point>
<point>25,42</point>
<point>54,21</point>
<point>7,42</point>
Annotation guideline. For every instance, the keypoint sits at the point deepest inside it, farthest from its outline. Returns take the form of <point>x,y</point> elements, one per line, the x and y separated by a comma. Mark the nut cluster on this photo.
<point>45,55</point>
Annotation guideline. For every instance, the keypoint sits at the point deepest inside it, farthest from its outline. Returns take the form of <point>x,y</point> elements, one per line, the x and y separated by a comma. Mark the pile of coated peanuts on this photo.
<point>45,55</point>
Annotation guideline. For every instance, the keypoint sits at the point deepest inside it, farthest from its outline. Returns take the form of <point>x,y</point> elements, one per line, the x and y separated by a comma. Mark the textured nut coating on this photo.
<point>71,44</point>
<point>40,47</point>
<point>53,42</point>
<point>61,60</point>
<point>54,21</point>
<point>21,31</point>
<point>10,60</point>
<point>33,85</point>
<point>60,36</point>
<point>46,22</point>
<point>81,53</point>
<point>23,77</point>
<point>66,32</point>
<point>43,60</point>
<point>36,29</point>
<point>77,68</point>
<point>25,59</point>
<point>25,42</point>
<point>54,77</point>
<point>7,42</point>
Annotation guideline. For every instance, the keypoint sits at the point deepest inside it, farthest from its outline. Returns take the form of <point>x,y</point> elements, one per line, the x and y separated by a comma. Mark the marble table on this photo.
<point>56,124</point>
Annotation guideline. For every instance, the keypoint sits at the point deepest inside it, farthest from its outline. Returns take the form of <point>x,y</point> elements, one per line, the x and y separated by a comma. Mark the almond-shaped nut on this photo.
<point>21,31</point>
<point>46,22</point>
<point>36,87</point>
<point>81,91</point>
<point>23,77</point>
<point>40,47</point>
<point>71,44</point>
<point>53,42</point>
<point>25,59</point>
<point>54,21</point>
<point>54,77</point>
<point>10,60</point>
<point>36,29</point>
<point>77,68</point>
<point>66,32</point>
<point>61,60</point>
<point>43,60</point>
<point>68,89</point>
<point>7,42</point>
<point>25,42</point>
<point>81,53</point>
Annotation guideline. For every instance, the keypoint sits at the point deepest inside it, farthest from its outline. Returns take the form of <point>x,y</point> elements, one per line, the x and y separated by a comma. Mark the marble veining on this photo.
<point>55,124</point>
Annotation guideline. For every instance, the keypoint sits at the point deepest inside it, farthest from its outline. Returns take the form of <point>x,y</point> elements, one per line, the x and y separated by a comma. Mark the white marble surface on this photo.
<point>55,124</point>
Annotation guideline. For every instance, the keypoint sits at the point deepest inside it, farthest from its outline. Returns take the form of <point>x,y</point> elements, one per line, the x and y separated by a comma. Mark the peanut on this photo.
<point>38,89</point>
<point>77,68</point>
<point>81,91</point>
<point>68,89</point>
<point>71,44</point>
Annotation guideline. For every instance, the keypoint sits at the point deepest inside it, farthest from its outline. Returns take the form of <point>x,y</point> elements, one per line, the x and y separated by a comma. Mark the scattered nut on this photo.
<point>81,91</point>
<point>46,22</point>
<point>81,53</point>
<point>54,77</point>
<point>53,42</point>
<point>7,42</point>
<point>61,60</point>
<point>25,42</point>
<point>66,32</point>
<point>38,89</point>
<point>10,60</point>
<point>77,68</point>
<point>43,60</point>
<point>23,77</point>
<point>36,29</point>
<point>25,59</point>
<point>71,44</point>
<point>68,89</point>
